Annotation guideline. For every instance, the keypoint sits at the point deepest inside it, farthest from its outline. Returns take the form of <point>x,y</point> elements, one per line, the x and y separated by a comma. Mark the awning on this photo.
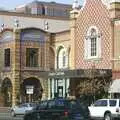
<point>115,86</point>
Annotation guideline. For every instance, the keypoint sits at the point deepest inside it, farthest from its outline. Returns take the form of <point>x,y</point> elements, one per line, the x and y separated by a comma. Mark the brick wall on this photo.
<point>96,14</point>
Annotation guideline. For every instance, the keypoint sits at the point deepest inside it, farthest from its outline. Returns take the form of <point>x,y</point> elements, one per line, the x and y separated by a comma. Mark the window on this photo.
<point>7,57</point>
<point>43,105</point>
<point>100,103</point>
<point>32,57</point>
<point>92,43</point>
<point>112,102</point>
<point>51,104</point>
<point>62,58</point>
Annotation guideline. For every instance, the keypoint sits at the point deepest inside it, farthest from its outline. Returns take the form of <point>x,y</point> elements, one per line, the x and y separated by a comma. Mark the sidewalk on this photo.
<point>4,109</point>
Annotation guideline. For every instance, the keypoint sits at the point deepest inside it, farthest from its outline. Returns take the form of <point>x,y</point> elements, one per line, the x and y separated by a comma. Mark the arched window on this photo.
<point>93,40</point>
<point>93,43</point>
<point>61,58</point>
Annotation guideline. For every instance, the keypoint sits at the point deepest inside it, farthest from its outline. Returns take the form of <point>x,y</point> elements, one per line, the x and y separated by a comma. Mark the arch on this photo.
<point>32,34</point>
<point>58,48</point>
<point>6,35</point>
<point>6,90</point>
<point>27,86</point>
<point>7,29</point>
<point>90,28</point>
<point>61,57</point>
<point>32,28</point>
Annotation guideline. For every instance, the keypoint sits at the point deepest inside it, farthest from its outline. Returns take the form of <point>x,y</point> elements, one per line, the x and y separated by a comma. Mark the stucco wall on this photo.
<point>54,24</point>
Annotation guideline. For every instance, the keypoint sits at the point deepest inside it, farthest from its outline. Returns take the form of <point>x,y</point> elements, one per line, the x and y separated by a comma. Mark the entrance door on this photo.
<point>60,91</point>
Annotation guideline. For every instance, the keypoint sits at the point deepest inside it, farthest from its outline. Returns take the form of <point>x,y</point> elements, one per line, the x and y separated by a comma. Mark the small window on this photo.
<point>7,57</point>
<point>100,103</point>
<point>112,102</point>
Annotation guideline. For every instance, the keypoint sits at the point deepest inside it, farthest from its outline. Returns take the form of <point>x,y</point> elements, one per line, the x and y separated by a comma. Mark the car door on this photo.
<point>20,109</point>
<point>98,109</point>
<point>42,108</point>
<point>51,111</point>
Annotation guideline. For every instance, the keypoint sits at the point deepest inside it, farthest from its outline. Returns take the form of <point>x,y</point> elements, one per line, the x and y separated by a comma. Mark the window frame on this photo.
<point>87,43</point>
<point>29,61</point>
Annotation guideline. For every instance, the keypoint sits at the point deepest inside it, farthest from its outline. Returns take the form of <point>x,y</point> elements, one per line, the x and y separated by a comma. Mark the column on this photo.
<point>49,91</point>
<point>64,84</point>
<point>67,86</point>
<point>46,53</point>
<point>16,68</point>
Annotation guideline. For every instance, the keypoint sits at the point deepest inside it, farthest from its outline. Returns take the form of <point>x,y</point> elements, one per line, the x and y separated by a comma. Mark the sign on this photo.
<point>29,89</point>
<point>56,73</point>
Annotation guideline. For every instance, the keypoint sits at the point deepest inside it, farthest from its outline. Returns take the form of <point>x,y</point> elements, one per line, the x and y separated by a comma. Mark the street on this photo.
<point>7,116</point>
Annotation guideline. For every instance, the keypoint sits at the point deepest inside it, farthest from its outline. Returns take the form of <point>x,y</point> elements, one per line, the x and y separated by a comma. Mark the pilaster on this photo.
<point>16,67</point>
<point>73,16</point>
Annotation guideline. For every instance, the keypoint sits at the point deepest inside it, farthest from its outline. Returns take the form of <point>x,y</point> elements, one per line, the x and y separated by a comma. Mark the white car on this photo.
<point>22,109</point>
<point>106,109</point>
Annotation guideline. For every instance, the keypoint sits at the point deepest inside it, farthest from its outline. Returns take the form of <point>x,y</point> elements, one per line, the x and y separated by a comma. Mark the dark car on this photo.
<point>59,109</point>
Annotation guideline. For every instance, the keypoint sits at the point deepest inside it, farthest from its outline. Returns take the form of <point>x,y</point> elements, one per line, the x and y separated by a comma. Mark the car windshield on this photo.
<point>32,104</point>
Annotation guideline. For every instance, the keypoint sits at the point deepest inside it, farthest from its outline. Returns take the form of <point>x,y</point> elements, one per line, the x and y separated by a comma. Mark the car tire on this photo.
<point>107,116</point>
<point>13,113</point>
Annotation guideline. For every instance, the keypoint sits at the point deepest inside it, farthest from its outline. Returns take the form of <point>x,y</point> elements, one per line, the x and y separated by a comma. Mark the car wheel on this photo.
<point>13,113</point>
<point>107,116</point>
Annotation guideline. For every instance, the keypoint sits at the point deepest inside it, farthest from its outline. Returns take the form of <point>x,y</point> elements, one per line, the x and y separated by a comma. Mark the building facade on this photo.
<point>45,9</point>
<point>95,34</point>
<point>27,55</point>
<point>44,57</point>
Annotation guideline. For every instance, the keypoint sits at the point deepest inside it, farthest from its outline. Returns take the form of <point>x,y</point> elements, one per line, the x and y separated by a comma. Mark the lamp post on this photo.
<point>93,68</point>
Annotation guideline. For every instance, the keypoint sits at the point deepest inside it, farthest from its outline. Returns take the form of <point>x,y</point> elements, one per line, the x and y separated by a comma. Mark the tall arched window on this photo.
<point>93,43</point>
<point>61,58</point>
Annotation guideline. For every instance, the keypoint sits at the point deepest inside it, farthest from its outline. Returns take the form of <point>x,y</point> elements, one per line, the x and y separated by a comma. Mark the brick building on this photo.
<point>95,35</point>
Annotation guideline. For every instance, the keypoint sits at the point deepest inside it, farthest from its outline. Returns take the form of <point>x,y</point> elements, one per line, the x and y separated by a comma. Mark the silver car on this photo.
<point>22,109</point>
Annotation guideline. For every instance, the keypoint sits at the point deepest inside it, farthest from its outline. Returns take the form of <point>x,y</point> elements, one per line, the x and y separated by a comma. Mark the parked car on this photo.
<point>59,109</point>
<point>22,109</point>
<point>106,109</point>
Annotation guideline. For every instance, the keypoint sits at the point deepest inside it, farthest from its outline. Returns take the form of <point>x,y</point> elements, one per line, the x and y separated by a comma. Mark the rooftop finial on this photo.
<point>75,4</point>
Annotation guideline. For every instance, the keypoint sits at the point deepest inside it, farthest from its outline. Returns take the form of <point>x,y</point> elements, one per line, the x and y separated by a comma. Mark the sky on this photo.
<point>11,4</point>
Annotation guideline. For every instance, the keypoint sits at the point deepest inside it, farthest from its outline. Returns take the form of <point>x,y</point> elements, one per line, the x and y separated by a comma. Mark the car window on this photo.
<point>60,104</point>
<point>25,105</point>
<point>22,105</point>
<point>112,102</point>
<point>43,105</point>
<point>119,103</point>
<point>51,104</point>
<point>32,104</point>
<point>101,103</point>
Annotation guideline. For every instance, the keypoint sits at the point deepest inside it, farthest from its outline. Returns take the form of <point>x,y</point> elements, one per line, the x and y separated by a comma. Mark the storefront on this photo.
<point>63,83</point>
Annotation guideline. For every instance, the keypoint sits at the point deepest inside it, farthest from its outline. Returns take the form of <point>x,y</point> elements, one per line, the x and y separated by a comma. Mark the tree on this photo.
<point>93,87</point>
